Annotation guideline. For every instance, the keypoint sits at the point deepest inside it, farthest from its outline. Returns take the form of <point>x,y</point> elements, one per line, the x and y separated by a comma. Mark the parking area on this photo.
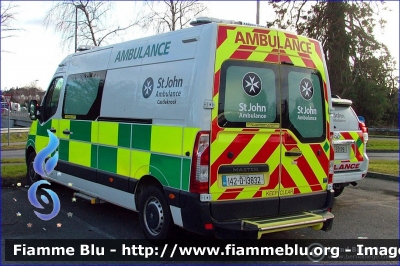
<point>359,212</point>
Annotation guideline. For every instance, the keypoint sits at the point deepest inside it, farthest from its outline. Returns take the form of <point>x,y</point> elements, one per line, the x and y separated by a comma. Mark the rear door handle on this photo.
<point>293,153</point>
<point>53,130</point>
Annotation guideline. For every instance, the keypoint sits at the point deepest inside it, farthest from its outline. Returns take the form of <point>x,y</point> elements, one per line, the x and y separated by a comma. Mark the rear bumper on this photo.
<point>195,215</point>
<point>348,177</point>
<point>352,176</point>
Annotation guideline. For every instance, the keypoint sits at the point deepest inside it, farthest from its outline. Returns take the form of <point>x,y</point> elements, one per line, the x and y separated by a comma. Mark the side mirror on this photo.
<point>33,109</point>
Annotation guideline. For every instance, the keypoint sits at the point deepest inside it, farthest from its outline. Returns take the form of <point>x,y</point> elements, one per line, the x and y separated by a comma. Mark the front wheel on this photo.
<point>31,175</point>
<point>154,215</point>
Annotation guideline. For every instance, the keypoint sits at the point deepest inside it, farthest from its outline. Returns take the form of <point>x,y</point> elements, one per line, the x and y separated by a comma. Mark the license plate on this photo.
<point>340,148</point>
<point>242,180</point>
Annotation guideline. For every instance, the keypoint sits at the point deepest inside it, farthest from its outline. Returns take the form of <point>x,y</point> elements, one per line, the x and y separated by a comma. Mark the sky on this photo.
<point>36,51</point>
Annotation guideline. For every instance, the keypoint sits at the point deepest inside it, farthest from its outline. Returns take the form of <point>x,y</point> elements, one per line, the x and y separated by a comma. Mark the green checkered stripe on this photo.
<point>132,150</point>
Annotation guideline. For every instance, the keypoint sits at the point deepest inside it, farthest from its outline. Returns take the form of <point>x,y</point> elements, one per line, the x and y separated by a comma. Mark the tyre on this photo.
<point>154,214</point>
<point>31,175</point>
<point>338,191</point>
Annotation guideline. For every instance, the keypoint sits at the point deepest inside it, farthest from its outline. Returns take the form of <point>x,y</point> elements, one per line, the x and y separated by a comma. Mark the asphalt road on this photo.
<point>394,156</point>
<point>13,154</point>
<point>368,210</point>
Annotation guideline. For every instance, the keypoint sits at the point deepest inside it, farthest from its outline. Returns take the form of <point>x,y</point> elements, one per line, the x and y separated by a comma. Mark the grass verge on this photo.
<point>383,144</point>
<point>13,171</point>
<point>12,160</point>
<point>14,137</point>
<point>384,166</point>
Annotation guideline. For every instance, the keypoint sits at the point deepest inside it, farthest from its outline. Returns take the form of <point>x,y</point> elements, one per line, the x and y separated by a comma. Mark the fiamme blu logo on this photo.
<point>44,167</point>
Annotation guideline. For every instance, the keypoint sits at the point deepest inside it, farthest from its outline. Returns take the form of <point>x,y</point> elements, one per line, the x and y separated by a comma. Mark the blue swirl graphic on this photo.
<point>42,168</point>
<point>33,200</point>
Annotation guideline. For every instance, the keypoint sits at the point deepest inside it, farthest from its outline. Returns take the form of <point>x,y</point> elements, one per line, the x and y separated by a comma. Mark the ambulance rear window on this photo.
<point>248,95</point>
<point>305,98</point>
<point>344,118</point>
<point>264,95</point>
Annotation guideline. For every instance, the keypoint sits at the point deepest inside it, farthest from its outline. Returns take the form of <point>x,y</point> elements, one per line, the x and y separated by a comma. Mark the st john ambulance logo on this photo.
<point>251,84</point>
<point>147,88</point>
<point>306,89</point>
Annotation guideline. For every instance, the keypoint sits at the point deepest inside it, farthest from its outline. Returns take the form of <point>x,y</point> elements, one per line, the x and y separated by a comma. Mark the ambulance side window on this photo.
<point>50,102</point>
<point>82,98</point>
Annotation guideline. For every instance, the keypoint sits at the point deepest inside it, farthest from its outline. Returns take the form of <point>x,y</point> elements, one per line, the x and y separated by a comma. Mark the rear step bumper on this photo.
<point>255,228</point>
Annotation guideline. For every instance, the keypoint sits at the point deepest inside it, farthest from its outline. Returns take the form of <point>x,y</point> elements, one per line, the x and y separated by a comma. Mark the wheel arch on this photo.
<point>146,181</point>
<point>28,152</point>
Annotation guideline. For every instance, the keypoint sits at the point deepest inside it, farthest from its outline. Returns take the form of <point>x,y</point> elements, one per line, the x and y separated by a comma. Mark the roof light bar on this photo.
<point>85,47</point>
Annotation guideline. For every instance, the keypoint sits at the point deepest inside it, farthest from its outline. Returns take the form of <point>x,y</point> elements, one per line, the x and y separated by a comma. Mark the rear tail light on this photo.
<point>331,160</point>
<point>199,175</point>
<point>364,130</point>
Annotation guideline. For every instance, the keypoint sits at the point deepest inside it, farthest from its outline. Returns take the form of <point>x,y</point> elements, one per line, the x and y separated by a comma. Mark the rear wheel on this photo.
<point>338,191</point>
<point>154,214</point>
<point>31,175</point>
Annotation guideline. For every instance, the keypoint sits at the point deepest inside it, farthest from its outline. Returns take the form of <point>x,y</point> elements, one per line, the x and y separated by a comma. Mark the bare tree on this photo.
<point>91,25</point>
<point>171,15</point>
<point>8,14</point>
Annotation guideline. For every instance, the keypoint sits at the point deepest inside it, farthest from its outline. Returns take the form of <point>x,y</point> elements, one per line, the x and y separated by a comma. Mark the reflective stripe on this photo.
<point>41,142</point>
<point>357,149</point>
<point>107,158</point>
<point>64,124</point>
<point>94,138</point>
<point>123,161</point>
<point>131,150</point>
<point>189,136</point>
<point>124,135</point>
<point>249,152</point>
<point>80,153</point>
<point>108,133</point>
<point>141,137</point>
<point>33,129</point>
<point>80,130</point>
<point>140,164</point>
<point>42,129</point>
<point>166,139</point>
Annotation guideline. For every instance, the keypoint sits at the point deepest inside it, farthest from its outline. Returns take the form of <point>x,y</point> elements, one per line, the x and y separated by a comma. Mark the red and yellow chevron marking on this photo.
<point>236,146</point>
<point>301,51</point>
<point>301,174</point>
<point>357,148</point>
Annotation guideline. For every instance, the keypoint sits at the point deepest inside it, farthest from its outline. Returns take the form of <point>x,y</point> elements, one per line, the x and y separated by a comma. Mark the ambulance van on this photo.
<point>223,129</point>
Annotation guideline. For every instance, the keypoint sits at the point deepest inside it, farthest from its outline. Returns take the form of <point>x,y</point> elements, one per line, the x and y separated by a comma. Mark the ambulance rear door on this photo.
<point>305,125</point>
<point>269,148</point>
<point>245,135</point>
